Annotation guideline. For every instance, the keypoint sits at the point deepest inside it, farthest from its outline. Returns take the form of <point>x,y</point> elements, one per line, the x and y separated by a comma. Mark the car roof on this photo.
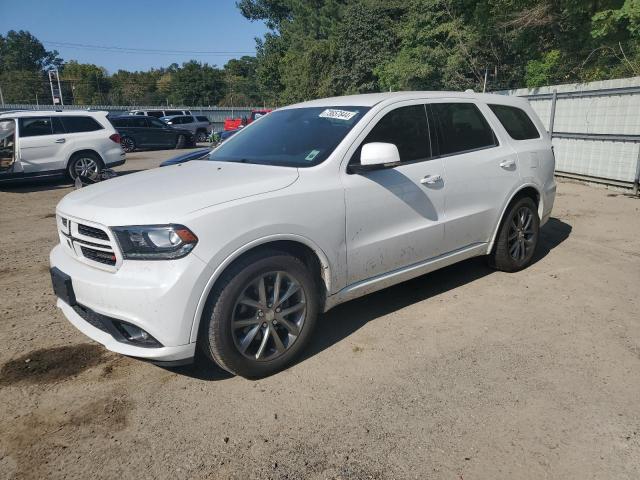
<point>40,113</point>
<point>371,99</point>
<point>176,116</point>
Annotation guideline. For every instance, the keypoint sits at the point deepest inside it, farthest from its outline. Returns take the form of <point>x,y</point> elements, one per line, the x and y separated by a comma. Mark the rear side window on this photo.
<point>407,129</point>
<point>461,127</point>
<point>119,122</point>
<point>516,122</point>
<point>155,113</point>
<point>35,126</point>
<point>80,124</point>
<point>186,120</point>
<point>138,122</point>
<point>168,113</point>
<point>202,119</point>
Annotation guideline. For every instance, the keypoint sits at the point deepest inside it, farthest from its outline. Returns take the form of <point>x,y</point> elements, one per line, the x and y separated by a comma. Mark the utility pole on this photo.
<point>1,97</point>
<point>486,73</point>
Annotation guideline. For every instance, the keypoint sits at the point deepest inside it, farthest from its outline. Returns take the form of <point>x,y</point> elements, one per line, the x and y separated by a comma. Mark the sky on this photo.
<point>214,28</point>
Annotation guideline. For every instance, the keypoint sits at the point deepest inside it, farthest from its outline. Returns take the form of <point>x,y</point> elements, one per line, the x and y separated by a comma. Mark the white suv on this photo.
<point>308,207</point>
<point>56,143</point>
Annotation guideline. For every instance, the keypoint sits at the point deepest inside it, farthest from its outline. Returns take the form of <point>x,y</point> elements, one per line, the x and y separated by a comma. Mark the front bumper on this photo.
<point>161,354</point>
<point>159,297</point>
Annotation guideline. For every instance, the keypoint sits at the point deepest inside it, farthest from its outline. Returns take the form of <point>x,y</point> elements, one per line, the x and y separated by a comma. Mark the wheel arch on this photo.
<point>82,150</point>
<point>528,190</point>
<point>301,247</point>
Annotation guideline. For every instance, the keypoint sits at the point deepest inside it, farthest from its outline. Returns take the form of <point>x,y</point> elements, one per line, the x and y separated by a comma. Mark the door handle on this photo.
<point>60,140</point>
<point>508,163</point>
<point>431,179</point>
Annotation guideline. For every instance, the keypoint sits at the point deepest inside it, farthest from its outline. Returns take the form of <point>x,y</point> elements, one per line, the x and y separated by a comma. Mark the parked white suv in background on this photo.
<point>57,143</point>
<point>308,207</point>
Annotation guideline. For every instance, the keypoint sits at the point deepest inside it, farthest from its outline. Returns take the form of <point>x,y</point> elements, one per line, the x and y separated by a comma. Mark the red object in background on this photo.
<point>235,123</point>
<point>232,123</point>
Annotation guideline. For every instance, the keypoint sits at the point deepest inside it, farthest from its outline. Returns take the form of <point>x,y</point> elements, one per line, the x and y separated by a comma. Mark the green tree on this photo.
<point>88,83</point>
<point>197,83</point>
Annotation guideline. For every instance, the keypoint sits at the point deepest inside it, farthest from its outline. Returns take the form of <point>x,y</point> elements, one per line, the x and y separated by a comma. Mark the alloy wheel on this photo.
<point>268,316</point>
<point>87,167</point>
<point>127,145</point>
<point>521,238</point>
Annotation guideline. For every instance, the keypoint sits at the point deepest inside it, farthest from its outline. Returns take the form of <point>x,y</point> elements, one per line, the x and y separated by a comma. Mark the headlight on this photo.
<point>155,242</point>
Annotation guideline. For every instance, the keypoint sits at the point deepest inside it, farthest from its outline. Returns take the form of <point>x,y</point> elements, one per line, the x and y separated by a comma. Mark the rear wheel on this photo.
<point>128,144</point>
<point>85,164</point>
<point>201,136</point>
<point>180,141</point>
<point>261,316</point>
<point>517,238</point>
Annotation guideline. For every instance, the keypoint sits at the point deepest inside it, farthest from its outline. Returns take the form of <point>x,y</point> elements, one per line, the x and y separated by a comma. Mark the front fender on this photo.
<point>322,257</point>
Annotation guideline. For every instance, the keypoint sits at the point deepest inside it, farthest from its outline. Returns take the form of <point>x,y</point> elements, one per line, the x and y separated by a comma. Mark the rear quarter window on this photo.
<point>80,124</point>
<point>516,122</point>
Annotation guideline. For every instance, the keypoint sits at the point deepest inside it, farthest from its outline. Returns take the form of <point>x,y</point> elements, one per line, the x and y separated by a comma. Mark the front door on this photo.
<point>160,134</point>
<point>394,216</point>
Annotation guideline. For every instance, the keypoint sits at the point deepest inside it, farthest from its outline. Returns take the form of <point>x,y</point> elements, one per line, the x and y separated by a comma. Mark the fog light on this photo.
<point>136,335</point>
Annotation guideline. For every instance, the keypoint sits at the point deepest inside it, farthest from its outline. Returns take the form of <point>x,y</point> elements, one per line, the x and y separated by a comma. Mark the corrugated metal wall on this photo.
<point>606,114</point>
<point>216,115</point>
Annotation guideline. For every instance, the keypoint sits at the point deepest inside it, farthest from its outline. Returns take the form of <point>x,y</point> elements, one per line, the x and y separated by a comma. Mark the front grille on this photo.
<point>92,232</point>
<point>90,244</point>
<point>100,256</point>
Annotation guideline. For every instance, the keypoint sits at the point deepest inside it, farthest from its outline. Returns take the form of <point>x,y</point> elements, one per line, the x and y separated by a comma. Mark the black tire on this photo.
<point>201,136</point>
<point>180,141</point>
<point>517,239</point>
<point>217,337</point>
<point>128,144</point>
<point>78,159</point>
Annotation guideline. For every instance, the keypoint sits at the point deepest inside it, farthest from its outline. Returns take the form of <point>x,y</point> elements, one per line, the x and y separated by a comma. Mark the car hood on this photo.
<point>187,157</point>
<point>165,195</point>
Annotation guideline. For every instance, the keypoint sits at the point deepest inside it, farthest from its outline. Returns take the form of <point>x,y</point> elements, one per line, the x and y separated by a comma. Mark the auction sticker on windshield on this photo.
<point>338,114</point>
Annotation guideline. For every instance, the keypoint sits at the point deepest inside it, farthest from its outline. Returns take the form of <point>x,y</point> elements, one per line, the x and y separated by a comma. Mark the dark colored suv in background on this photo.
<point>137,131</point>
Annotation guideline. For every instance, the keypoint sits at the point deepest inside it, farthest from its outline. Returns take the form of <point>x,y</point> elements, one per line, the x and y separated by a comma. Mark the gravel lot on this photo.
<point>464,374</point>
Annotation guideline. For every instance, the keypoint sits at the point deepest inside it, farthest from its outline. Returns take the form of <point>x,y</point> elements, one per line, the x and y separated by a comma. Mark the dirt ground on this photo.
<point>462,374</point>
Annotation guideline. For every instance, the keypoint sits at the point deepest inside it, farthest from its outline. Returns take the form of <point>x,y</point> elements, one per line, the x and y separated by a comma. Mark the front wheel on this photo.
<point>517,238</point>
<point>261,315</point>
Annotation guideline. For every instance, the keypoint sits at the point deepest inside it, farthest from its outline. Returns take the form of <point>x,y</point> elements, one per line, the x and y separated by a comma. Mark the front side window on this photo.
<point>516,122</point>
<point>202,119</point>
<point>186,120</point>
<point>294,137</point>
<point>407,129</point>
<point>461,127</point>
<point>155,123</point>
<point>80,124</point>
<point>35,126</point>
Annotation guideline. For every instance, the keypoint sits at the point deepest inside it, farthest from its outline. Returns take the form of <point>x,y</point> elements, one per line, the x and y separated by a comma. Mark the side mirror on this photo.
<point>375,156</point>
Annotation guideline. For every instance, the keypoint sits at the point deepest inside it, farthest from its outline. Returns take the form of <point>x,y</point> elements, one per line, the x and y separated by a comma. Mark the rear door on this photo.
<point>480,169</point>
<point>41,144</point>
<point>138,127</point>
<point>395,216</point>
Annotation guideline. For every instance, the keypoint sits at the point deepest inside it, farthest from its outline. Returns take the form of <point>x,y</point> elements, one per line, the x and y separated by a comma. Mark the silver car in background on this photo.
<point>199,125</point>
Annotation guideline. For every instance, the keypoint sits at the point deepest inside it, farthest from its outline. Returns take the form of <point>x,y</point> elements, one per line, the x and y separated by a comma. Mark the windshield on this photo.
<point>296,137</point>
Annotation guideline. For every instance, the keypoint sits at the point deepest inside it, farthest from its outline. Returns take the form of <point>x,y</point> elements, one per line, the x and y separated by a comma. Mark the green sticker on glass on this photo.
<point>312,155</point>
